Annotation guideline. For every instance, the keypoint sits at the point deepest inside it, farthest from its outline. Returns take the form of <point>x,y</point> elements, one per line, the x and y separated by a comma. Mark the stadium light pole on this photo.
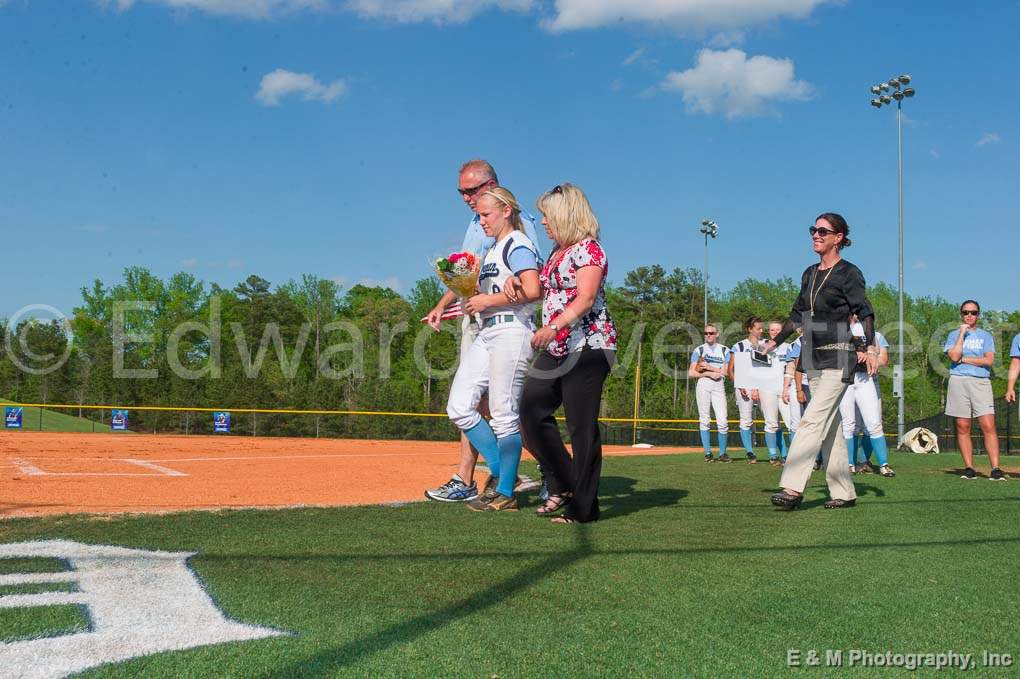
<point>709,228</point>
<point>897,91</point>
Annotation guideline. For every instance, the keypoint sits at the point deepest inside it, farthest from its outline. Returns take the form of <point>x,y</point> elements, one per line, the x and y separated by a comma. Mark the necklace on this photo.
<point>812,292</point>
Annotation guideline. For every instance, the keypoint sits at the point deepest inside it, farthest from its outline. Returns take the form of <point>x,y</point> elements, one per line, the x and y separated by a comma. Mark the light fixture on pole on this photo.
<point>899,91</point>
<point>709,228</point>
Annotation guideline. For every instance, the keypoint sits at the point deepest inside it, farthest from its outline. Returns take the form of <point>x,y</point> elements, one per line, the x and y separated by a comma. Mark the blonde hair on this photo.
<point>504,196</point>
<point>569,214</point>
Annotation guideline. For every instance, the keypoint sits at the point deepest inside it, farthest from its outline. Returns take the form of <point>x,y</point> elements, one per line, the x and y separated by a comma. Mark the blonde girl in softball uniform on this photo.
<point>498,359</point>
<point>863,396</point>
<point>708,363</point>
<point>746,397</point>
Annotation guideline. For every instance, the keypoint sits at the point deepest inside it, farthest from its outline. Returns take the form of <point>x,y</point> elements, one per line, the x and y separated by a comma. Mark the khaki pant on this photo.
<point>819,429</point>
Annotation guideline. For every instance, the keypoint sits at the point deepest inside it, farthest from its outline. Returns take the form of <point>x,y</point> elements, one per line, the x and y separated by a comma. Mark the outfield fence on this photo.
<point>379,424</point>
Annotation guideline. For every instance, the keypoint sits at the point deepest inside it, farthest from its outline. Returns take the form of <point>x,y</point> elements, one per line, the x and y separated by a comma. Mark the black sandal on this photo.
<point>839,504</point>
<point>553,504</point>
<point>784,499</point>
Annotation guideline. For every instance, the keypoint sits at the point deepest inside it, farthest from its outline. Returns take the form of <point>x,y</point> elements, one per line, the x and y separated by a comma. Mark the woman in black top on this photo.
<point>830,292</point>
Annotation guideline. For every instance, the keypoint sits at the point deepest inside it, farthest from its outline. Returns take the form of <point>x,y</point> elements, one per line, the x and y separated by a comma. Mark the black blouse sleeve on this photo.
<point>801,305</point>
<point>856,294</point>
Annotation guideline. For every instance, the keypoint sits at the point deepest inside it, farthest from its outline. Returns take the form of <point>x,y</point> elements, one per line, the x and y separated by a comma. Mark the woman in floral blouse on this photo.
<point>579,342</point>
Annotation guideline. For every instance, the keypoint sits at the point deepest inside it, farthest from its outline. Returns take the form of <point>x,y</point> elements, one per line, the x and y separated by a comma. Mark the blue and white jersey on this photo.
<point>1014,350</point>
<point>976,343</point>
<point>509,257</point>
<point>477,242</point>
<point>742,346</point>
<point>792,355</point>
<point>715,355</point>
<point>857,330</point>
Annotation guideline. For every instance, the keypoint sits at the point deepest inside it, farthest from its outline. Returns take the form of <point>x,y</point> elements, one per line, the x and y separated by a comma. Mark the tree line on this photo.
<point>310,344</point>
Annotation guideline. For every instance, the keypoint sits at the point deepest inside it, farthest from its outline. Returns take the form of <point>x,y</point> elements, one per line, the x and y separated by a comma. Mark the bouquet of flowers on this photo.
<point>459,271</point>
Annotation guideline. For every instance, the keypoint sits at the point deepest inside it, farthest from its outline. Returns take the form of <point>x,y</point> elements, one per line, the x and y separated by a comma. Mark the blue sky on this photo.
<point>281,137</point>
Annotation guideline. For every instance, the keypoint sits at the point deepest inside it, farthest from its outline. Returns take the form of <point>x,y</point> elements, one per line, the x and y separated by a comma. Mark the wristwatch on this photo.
<point>554,326</point>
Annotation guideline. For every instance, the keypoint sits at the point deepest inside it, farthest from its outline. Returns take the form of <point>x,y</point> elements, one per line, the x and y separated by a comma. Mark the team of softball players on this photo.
<point>860,409</point>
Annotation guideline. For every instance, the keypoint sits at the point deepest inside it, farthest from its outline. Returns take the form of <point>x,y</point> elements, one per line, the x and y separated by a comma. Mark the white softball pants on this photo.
<point>497,361</point>
<point>771,408</point>
<point>711,395</point>
<point>796,407</point>
<point>862,396</point>
<point>745,408</point>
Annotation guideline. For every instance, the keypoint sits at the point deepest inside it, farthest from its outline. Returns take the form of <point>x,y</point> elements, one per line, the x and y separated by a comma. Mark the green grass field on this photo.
<point>53,420</point>
<point>691,572</point>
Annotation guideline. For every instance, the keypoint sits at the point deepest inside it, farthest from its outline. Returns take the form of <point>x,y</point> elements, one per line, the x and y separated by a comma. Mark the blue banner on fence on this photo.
<point>221,422</point>
<point>119,420</point>
<point>12,417</point>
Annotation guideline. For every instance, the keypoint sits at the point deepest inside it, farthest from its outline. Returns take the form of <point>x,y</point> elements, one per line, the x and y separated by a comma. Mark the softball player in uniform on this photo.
<point>791,392</point>
<point>863,396</point>
<point>772,405</point>
<point>498,359</point>
<point>746,397</point>
<point>708,364</point>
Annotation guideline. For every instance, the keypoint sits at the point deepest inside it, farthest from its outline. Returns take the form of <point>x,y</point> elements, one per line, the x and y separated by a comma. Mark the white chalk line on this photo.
<point>246,459</point>
<point>300,457</point>
<point>26,467</point>
<point>30,469</point>
<point>155,467</point>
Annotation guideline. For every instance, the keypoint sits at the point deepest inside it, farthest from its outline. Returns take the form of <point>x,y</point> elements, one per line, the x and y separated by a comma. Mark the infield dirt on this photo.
<point>59,473</point>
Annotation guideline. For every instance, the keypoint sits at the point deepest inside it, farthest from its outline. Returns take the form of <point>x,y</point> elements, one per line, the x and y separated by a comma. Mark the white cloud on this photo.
<point>730,83</point>
<point>616,85</point>
<point>249,9</point>
<point>634,56</point>
<point>439,11</point>
<point>687,16</point>
<point>190,263</point>
<point>935,154</point>
<point>281,83</point>
<point>919,265</point>
<point>726,39</point>
<point>989,138</point>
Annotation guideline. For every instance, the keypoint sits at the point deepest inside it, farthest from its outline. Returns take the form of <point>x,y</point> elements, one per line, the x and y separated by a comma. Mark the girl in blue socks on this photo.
<point>498,359</point>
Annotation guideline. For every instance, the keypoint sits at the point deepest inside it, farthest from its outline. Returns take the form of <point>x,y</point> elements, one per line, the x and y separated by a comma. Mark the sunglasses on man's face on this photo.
<point>821,231</point>
<point>472,191</point>
<point>970,312</point>
<point>711,333</point>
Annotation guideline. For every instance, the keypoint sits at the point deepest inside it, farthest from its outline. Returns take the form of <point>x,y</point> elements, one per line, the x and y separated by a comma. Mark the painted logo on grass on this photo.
<point>137,602</point>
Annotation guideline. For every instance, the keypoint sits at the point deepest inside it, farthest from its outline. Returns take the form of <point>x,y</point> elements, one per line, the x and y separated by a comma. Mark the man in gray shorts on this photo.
<point>972,352</point>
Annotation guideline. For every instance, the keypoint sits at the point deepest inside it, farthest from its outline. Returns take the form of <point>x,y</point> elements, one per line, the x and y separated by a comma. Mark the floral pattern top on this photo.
<point>595,330</point>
